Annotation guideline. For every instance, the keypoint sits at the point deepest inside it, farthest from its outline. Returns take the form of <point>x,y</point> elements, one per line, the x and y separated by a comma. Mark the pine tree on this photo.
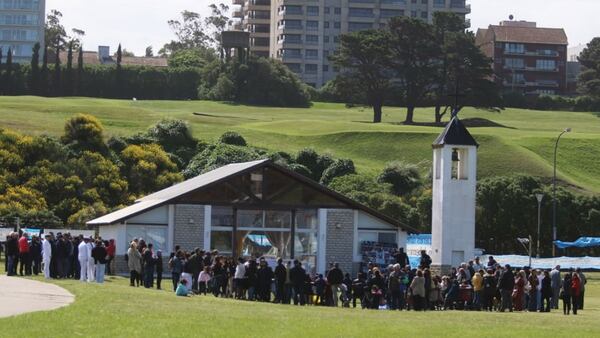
<point>35,70</point>
<point>118,74</point>
<point>8,72</point>
<point>44,73</point>
<point>1,82</point>
<point>68,87</point>
<point>119,56</point>
<point>56,78</point>
<point>79,74</point>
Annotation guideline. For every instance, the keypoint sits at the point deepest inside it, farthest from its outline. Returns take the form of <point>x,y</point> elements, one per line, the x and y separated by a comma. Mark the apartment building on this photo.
<point>527,59</point>
<point>254,16</point>
<point>21,26</point>
<point>303,33</point>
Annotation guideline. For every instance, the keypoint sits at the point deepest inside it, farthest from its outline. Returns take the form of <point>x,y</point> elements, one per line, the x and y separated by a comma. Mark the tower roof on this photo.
<point>455,133</point>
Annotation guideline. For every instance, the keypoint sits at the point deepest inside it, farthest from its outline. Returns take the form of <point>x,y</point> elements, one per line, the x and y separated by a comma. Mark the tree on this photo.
<point>148,168</point>
<point>192,57</point>
<point>8,80</point>
<point>588,82</point>
<point>233,138</point>
<point>79,74</point>
<point>56,35</point>
<point>44,73</point>
<point>149,52</point>
<point>403,178</point>
<point>190,33</point>
<point>69,80</point>
<point>364,76</point>
<point>84,132</point>
<point>35,69</point>
<point>1,82</point>
<point>56,84</point>
<point>119,56</point>
<point>217,22</point>
<point>339,167</point>
<point>413,57</point>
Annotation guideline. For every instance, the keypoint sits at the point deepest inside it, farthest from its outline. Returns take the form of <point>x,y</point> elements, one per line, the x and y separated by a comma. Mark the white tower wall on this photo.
<point>453,206</point>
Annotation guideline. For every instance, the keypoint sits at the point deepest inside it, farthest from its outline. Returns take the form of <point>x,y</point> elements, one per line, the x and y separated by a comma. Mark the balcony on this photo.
<point>238,13</point>
<point>546,53</point>
<point>238,2</point>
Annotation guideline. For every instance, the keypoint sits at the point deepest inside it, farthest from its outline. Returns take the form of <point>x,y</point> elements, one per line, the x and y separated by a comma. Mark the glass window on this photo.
<point>312,25</point>
<point>390,13</point>
<point>312,40</point>
<point>157,235</point>
<point>278,219</point>
<point>545,64</point>
<point>312,54</point>
<point>268,244</point>
<point>312,10</point>
<point>337,24</point>
<point>305,249</point>
<point>307,218</point>
<point>221,216</point>
<point>326,24</point>
<point>360,12</point>
<point>424,15</point>
<point>515,48</point>
<point>221,241</point>
<point>439,3</point>
<point>337,10</point>
<point>294,67</point>
<point>326,10</point>
<point>250,219</point>
<point>514,63</point>
<point>358,26</point>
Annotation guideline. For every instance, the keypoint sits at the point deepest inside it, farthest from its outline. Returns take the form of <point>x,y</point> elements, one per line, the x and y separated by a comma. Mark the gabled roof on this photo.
<point>169,194</point>
<point>455,133</point>
<point>549,36</point>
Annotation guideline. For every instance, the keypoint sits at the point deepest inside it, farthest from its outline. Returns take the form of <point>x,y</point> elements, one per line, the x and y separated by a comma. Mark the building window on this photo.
<point>290,53</point>
<point>326,24</point>
<point>294,67</point>
<point>312,39</point>
<point>312,10</point>
<point>336,39</point>
<point>290,38</point>
<point>221,241</point>
<point>291,10</point>
<point>337,25</point>
<point>424,15</point>
<point>337,10</point>
<point>511,63</point>
<point>312,54</point>
<point>545,64</point>
<point>312,25</point>
<point>155,234</point>
<point>358,26</point>
<point>360,12</point>
<point>310,68</point>
<point>394,2</point>
<point>325,68</point>
<point>291,24</point>
<point>326,39</point>
<point>413,14</point>
<point>439,3</point>
<point>514,48</point>
<point>326,10</point>
<point>390,13</point>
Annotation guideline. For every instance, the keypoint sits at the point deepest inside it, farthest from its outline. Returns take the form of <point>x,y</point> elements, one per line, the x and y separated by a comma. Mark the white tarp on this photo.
<point>547,263</point>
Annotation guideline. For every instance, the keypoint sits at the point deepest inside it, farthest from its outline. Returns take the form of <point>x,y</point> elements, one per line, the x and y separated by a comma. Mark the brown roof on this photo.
<point>550,36</point>
<point>144,61</point>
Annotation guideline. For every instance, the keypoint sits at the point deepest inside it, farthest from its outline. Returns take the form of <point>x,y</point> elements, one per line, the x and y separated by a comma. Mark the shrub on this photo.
<point>403,177</point>
<point>233,138</point>
<point>339,167</point>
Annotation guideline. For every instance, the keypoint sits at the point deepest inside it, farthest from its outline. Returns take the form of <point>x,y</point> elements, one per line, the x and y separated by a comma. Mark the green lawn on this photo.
<point>512,141</point>
<point>115,309</point>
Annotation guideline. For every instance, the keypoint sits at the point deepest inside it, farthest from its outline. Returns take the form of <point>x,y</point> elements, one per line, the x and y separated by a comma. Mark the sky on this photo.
<point>141,23</point>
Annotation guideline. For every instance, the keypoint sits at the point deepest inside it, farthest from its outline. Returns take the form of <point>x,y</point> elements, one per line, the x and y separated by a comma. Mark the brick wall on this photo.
<point>340,238</point>
<point>189,235</point>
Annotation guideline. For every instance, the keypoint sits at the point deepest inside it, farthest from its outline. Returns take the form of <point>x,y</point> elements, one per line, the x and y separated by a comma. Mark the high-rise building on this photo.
<point>21,26</point>
<point>527,59</point>
<point>254,16</point>
<point>303,33</point>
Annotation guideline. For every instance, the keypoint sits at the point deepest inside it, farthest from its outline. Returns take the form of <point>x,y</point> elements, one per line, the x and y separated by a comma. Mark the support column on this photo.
<point>322,241</point>
<point>207,226</point>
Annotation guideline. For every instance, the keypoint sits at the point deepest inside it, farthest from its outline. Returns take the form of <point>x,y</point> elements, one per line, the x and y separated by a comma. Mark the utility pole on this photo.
<point>539,198</point>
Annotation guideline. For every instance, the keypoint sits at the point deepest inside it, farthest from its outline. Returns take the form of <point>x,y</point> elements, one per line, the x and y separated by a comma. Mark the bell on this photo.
<point>455,156</point>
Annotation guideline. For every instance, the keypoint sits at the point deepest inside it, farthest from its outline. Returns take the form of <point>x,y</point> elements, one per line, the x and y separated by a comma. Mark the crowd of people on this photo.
<point>59,256</point>
<point>471,286</point>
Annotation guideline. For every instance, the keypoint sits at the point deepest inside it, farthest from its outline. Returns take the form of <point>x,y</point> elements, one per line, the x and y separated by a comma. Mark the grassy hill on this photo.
<point>512,141</point>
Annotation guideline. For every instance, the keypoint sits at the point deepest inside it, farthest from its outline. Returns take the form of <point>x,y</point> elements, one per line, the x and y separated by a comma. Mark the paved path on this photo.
<point>19,295</point>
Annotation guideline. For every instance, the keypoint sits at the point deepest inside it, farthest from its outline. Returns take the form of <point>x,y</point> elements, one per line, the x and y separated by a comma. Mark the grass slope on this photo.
<point>513,141</point>
<point>115,309</point>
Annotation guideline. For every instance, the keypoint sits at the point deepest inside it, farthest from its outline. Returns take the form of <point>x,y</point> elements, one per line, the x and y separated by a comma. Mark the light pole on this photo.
<point>539,200</point>
<point>567,130</point>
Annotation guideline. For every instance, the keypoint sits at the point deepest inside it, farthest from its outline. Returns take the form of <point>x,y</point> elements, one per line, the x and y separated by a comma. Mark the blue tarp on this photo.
<point>581,242</point>
<point>586,263</point>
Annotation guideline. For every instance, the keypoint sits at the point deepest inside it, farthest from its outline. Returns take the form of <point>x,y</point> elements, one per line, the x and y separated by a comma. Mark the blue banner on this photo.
<point>414,245</point>
<point>581,242</point>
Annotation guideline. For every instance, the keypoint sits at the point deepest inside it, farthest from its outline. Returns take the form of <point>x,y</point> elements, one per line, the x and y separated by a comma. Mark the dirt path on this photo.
<point>20,295</point>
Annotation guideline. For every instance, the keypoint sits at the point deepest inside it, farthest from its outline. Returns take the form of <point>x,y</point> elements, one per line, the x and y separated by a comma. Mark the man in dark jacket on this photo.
<point>425,262</point>
<point>335,276</point>
<point>297,276</point>
<point>62,253</point>
<point>36,254</point>
<point>149,263</point>
<point>196,265</point>
<point>280,275</point>
<point>12,251</point>
<point>401,257</point>
<point>265,277</point>
<point>506,284</point>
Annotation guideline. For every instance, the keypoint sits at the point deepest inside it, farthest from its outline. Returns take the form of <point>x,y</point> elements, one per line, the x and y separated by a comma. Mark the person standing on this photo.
<point>89,246</point>
<point>24,255</point>
<point>110,250</point>
<point>546,292</point>
<point>335,276</point>
<point>425,261</point>
<point>99,255</point>
<point>280,274</point>
<point>582,289</point>
<point>134,264</point>
<point>401,257</point>
<point>82,256</point>
<point>239,278</point>
<point>159,268</point>
<point>297,276</point>
<point>556,284</point>
<point>264,280</point>
<point>176,265</point>
<point>566,293</point>
<point>575,291</point>
<point>417,288</point>
<point>12,253</point>
<point>36,255</point>
<point>506,284</point>
<point>149,263</point>
<point>46,255</point>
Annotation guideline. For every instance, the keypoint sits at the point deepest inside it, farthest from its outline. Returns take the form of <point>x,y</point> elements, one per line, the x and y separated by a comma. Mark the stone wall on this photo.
<point>340,239</point>
<point>123,270</point>
<point>189,226</point>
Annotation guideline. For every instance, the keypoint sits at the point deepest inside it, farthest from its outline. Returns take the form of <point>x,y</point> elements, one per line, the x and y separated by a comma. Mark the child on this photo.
<point>203,280</point>
<point>319,289</point>
<point>182,289</point>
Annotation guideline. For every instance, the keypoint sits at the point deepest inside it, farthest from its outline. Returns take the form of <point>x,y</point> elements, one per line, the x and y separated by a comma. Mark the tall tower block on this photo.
<point>453,200</point>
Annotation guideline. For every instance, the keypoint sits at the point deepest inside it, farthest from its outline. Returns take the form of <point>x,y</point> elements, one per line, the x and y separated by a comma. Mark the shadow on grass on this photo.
<point>474,122</point>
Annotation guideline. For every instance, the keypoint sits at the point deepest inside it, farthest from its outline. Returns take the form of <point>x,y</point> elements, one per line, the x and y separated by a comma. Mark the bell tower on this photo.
<point>453,200</point>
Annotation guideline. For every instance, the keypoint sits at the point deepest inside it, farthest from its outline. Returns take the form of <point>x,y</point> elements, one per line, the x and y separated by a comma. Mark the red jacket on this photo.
<point>575,286</point>
<point>23,245</point>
